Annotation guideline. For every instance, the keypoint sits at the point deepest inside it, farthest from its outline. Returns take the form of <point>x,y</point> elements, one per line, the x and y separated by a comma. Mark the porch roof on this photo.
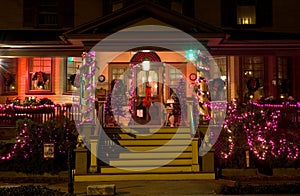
<point>135,14</point>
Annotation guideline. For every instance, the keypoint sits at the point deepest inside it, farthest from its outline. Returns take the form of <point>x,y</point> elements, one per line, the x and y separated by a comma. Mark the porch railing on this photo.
<point>9,113</point>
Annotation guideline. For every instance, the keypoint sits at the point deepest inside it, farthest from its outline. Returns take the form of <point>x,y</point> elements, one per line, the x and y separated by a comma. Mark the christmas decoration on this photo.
<point>87,87</point>
<point>253,84</point>
<point>40,78</point>
<point>260,123</point>
<point>9,79</point>
<point>27,152</point>
<point>147,100</point>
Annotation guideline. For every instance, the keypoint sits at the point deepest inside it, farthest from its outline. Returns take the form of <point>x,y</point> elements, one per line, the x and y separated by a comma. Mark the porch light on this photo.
<point>146,65</point>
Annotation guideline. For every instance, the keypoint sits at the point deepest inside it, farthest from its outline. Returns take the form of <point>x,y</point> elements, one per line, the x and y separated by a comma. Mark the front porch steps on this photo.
<point>159,153</point>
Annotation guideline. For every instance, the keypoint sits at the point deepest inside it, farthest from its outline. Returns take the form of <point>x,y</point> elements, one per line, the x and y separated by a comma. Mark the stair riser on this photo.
<point>158,149</point>
<point>153,142</point>
<point>150,163</point>
<point>174,169</point>
<point>155,136</point>
<point>154,155</point>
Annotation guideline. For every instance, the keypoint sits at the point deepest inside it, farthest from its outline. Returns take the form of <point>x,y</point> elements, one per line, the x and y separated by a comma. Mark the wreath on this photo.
<point>40,78</point>
<point>217,88</point>
<point>8,79</point>
<point>253,84</point>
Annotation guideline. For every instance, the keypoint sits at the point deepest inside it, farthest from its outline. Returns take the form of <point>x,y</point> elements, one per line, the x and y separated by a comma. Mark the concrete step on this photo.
<point>144,176</point>
<point>149,162</point>
<point>130,170</point>
<point>153,148</point>
<point>155,136</point>
<point>157,130</point>
<point>155,155</point>
<point>154,142</point>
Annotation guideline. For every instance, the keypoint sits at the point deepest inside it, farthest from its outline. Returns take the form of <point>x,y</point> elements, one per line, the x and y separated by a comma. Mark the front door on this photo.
<point>148,93</point>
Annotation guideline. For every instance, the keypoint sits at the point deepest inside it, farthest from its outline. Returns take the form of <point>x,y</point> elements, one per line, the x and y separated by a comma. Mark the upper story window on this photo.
<point>246,12</point>
<point>8,75</point>
<point>48,13</point>
<point>40,75</point>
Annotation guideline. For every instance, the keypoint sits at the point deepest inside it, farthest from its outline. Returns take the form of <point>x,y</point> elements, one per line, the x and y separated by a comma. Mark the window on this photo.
<point>120,71</point>
<point>48,13</point>
<point>8,72</point>
<point>283,77</point>
<point>246,15</point>
<point>219,93</point>
<point>253,77</point>
<point>40,75</point>
<point>72,65</point>
<point>246,12</point>
<point>174,71</point>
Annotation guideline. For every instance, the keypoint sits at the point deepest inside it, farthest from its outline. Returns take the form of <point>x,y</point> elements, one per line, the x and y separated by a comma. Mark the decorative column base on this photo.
<point>93,143</point>
<point>81,161</point>
<point>208,162</point>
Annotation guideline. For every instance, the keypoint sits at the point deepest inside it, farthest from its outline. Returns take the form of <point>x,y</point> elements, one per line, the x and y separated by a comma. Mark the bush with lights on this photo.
<point>27,153</point>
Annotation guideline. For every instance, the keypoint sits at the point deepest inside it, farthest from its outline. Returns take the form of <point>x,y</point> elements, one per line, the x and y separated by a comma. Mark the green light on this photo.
<point>191,55</point>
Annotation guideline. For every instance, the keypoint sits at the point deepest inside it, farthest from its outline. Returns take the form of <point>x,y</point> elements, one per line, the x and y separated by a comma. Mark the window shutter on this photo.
<point>264,13</point>
<point>68,13</point>
<point>228,13</point>
<point>29,13</point>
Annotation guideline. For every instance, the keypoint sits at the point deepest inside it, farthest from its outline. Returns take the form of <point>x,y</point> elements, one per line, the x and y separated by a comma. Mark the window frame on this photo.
<point>28,81</point>
<point>67,75</point>
<point>14,73</point>
<point>181,66</point>
<point>244,79</point>
<point>287,62</point>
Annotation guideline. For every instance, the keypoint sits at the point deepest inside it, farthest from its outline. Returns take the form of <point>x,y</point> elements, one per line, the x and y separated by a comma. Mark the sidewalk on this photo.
<point>137,188</point>
<point>132,188</point>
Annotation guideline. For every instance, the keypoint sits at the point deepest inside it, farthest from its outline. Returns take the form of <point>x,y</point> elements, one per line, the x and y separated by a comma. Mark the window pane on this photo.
<point>8,72</point>
<point>246,15</point>
<point>40,73</point>
<point>73,64</point>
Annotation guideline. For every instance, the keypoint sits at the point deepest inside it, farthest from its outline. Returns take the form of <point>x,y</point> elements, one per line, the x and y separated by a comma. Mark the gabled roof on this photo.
<point>139,11</point>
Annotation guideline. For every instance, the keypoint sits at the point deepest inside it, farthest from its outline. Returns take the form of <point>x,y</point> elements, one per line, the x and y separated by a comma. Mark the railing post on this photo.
<point>94,144</point>
<point>195,154</point>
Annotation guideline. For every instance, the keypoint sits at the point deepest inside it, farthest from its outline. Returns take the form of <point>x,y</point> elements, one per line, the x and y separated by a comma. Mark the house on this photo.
<point>242,49</point>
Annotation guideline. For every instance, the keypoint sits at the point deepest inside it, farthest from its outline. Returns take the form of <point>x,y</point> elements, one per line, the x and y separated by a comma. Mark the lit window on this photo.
<point>40,74</point>
<point>253,78</point>
<point>283,77</point>
<point>73,63</point>
<point>246,15</point>
<point>8,73</point>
